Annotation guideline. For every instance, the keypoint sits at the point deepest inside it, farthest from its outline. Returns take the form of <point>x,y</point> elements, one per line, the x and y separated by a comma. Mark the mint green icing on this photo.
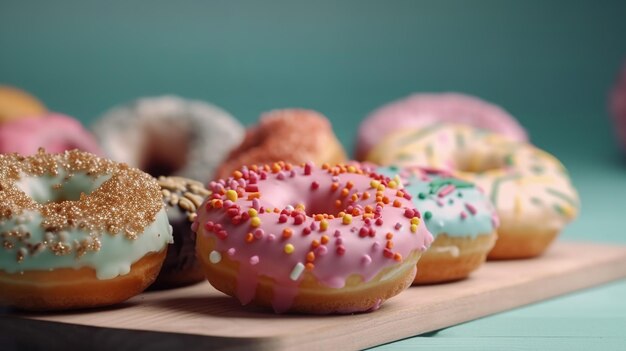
<point>442,215</point>
<point>114,258</point>
<point>42,188</point>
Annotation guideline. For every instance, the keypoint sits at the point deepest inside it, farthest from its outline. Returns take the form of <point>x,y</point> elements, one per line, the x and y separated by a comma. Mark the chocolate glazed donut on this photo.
<point>182,198</point>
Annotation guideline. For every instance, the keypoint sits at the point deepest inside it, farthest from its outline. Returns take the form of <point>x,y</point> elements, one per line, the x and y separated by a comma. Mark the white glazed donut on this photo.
<point>169,135</point>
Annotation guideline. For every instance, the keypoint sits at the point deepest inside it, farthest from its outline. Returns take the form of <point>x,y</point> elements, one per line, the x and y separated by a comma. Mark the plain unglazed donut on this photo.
<point>306,239</point>
<point>77,231</point>
<point>458,214</point>
<point>530,188</point>
<point>169,136</point>
<point>421,110</point>
<point>16,103</point>
<point>287,135</point>
<point>54,132</point>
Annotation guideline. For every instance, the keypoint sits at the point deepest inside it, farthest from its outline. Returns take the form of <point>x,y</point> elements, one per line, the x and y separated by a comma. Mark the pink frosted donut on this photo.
<point>55,133</point>
<point>618,107</point>
<point>306,239</point>
<point>419,110</point>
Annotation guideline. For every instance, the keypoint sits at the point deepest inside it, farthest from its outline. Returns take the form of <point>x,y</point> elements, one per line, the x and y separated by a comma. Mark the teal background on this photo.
<point>550,63</point>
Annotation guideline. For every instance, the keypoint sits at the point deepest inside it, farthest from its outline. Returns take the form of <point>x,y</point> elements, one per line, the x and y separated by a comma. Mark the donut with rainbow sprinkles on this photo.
<point>319,240</point>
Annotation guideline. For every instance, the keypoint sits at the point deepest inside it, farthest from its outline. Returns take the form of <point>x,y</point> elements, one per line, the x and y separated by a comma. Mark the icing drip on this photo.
<point>329,222</point>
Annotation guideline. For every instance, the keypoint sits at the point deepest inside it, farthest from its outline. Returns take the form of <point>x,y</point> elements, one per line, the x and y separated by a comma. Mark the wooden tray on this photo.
<point>200,317</point>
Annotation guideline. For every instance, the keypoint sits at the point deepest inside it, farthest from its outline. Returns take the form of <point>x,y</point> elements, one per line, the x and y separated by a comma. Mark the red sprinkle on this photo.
<point>387,253</point>
<point>222,234</point>
<point>341,250</point>
<point>470,208</point>
<point>363,232</point>
<point>447,190</point>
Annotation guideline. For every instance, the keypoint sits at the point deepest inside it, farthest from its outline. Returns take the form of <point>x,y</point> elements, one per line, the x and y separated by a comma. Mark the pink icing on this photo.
<point>55,132</point>
<point>378,233</point>
<point>419,110</point>
<point>618,106</point>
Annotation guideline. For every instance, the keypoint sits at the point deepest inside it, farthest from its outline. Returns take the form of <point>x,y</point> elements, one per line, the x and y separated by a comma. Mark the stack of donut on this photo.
<point>530,189</point>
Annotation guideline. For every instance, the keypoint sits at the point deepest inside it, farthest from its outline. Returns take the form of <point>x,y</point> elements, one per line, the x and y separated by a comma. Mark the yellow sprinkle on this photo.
<point>381,187</point>
<point>415,221</point>
<point>255,222</point>
<point>347,219</point>
<point>323,225</point>
<point>300,207</point>
<point>393,184</point>
<point>374,184</point>
<point>351,169</point>
<point>232,195</point>
<point>252,212</point>
<point>413,228</point>
<point>288,249</point>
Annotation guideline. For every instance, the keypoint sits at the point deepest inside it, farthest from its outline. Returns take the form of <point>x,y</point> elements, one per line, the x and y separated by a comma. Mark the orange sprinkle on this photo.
<point>349,185</point>
<point>319,217</point>
<point>365,195</point>
<point>389,236</point>
<point>276,168</point>
<point>217,203</point>
<point>354,197</point>
<point>396,203</point>
<point>385,200</point>
<point>276,210</point>
<point>389,244</point>
<point>399,193</point>
<point>338,203</point>
<point>334,186</point>
<point>397,257</point>
<point>379,199</point>
<point>315,243</point>
<point>356,212</point>
<point>369,209</point>
<point>254,168</point>
<point>345,192</point>
<point>368,215</point>
<point>325,166</point>
<point>310,257</point>
<point>256,195</point>
<point>288,166</point>
<point>309,266</point>
<point>249,238</point>
<point>287,232</point>
<point>237,174</point>
<point>325,239</point>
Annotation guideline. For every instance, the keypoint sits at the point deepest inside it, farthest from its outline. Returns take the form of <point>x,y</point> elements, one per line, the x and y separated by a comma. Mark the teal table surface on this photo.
<point>550,63</point>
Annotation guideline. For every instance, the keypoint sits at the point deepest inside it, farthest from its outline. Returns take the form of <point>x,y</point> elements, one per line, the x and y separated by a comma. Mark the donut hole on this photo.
<point>479,159</point>
<point>60,188</point>
<point>166,147</point>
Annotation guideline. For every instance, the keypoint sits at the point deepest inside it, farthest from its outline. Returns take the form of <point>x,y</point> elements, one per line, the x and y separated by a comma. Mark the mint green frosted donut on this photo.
<point>76,210</point>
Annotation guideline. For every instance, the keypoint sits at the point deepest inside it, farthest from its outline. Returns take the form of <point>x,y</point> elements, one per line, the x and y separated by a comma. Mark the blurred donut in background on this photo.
<point>54,132</point>
<point>169,136</point>
<point>618,107</point>
<point>289,135</point>
<point>421,110</point>
<point>16,103</point>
